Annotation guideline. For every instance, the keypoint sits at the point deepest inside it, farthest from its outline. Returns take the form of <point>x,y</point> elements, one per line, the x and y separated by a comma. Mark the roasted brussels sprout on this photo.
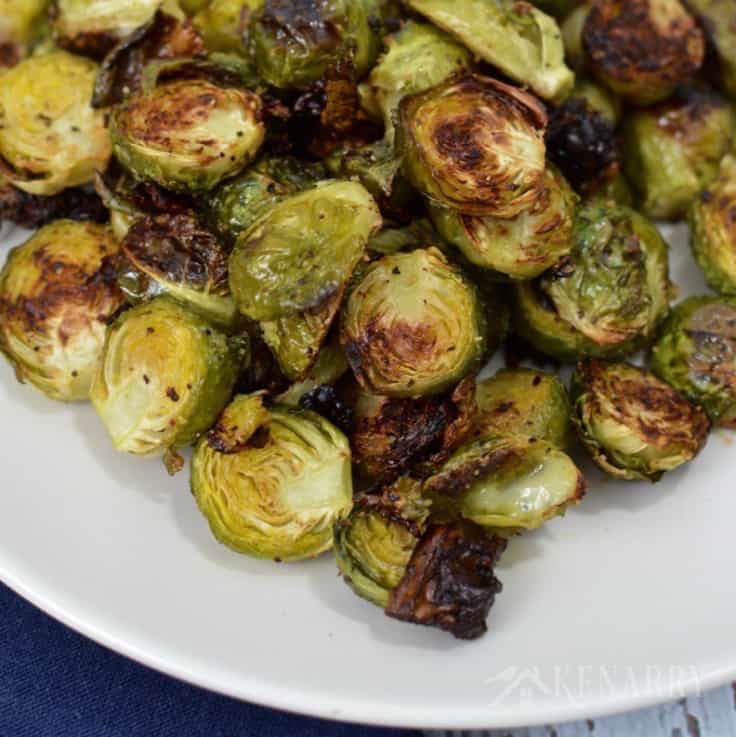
<point>50,137</point>
<point>475,145</point>
<point>233,206</point>
<point>525,402</point>
<point>414,325</point>
<point>92,28</point>
<point>633,424</point>
<point>272,482</point>
<point>293,42</point>
<point>513,35</point>
<point>187,135</point>
<point>605,299</point>
<point>718,19</point>
<point>19,21</point>
<point>222,24</point>
<point>672,151</point>
<point>302,251</point>
<point>164,377</point>
<point>522,247</point>
<point>713,230</point>
<point>642,49</point>
<point>56,292</point>
<point>511,481</point>
<point>391,436</point>
<point>175,256</point>
<point>696,354</point>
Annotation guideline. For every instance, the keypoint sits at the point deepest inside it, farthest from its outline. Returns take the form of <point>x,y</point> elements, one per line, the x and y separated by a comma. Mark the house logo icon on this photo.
<point>522,684</point>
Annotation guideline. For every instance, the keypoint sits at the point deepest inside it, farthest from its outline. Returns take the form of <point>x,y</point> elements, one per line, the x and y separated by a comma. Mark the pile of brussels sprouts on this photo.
<point>290,233</point>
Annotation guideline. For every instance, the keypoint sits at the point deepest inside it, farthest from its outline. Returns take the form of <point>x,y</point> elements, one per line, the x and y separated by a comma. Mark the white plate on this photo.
<point>626,601</point>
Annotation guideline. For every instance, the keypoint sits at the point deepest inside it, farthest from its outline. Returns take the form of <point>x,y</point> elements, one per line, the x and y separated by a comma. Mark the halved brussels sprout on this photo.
<point>414,325</point>
<point>92,27</point>
<point>57,291</point>
<point>391,436</point>
<point>607,298</point>
<point>525,402</point>
<point>696,354</point>
<point>522,247</point>
<point>293,42</point>
<point>718,19</point>
<point>633,424</point>
<point>475,145</point>
<point>672,151</point>
<point>374,544</point>
<point>511,481</point>
<point>642,49</point>
<point>222,24</point>
<point>187,135</point>
<point>272,483</point>
<point>233,206</point>
<point>713,230</point>
<point>164,377</point>
<point>512,35</point>
<point>303,250</point>
<point>175,256</point>
<point>50,137</point>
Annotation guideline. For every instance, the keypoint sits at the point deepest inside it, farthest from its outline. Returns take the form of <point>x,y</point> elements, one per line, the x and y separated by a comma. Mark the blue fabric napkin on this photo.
<point>56,683</point>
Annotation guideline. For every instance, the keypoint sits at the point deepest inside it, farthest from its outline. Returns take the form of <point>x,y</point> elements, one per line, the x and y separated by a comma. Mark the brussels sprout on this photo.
<point>413,326</point>
<point>91,27</point>
<point>233,206</point>
<point>272,483</point>
<point>523,402</point>
<point>513,35</point>
<point>642,49</point>
<point>508,481</point>
<point>607,297</point>
<point>672,151</point>
<point>633,424</point>
<point>302,251</point>
<point>572,36</point>
<point>19,22</point>
<point>475,145</point>
<point>293,42</point>
<point>696,354</point>
<point>598,99</point>
<point>174,255</point>
<point>522,247</point>
<point>56,292</point>
<point>50,137</point>
<point>164,377</point>
<point>222,23</point>
<point>713,230</point>
<point>187,135</point>
<point>391,436</point>
<point>374,545</point>
<point>718,19</point>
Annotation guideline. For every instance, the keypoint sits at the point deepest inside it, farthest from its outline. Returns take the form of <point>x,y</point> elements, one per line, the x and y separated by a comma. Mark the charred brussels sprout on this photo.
<point>475,145</point>
<point>56,292</point>
<point>414,325</point>
<point>50,137</point>
<point>523,402</point>
<point>713,230</point>
<point>605,299</point>
<point>513,35</point>
<point>222,24</point>
<point>507,481</point>
<point>92,27</point>
<point>633,424</point>
<point>302,251</point>
<point>293,42</point>
<point>272,482</point>
<point>175,256</point>
<point>187,135</point>
<point>696,354</point>
<point>642,49</point>
<point>522,247</point>
<point>164,377</point>
<point>672,151</point>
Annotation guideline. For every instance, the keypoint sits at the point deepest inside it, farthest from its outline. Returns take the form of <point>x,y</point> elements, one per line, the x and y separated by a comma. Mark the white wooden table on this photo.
<point>711,715</point>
